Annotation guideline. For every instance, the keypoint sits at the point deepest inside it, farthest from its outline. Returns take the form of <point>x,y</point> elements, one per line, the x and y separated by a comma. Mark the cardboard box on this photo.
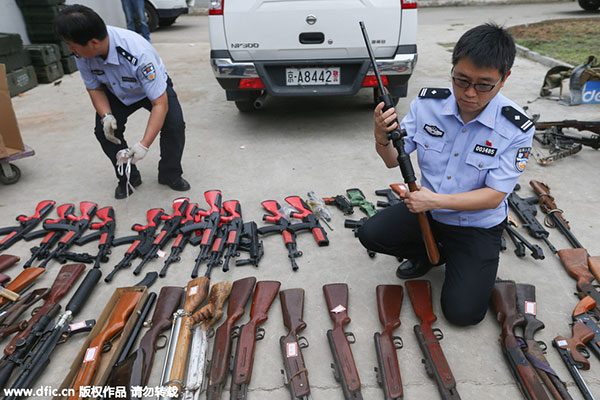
<point>109,358</point>
<point>10,136</point>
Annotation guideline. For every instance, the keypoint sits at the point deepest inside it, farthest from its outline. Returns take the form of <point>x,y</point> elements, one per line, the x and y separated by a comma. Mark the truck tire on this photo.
<point>589,5</point>
<point>167,21</point>
<point>151,17</point>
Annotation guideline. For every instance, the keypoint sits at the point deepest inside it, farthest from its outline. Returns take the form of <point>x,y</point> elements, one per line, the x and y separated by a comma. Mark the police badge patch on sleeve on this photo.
<point>149,72</point>
<point>521,158</point>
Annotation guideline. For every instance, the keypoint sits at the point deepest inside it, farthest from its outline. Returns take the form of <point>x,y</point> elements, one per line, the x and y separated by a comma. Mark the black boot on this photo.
<point>122,189</point>
<point>413,268</point>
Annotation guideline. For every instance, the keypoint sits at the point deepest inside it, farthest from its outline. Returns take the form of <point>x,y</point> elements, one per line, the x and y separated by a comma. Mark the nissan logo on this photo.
<point>311,20</point>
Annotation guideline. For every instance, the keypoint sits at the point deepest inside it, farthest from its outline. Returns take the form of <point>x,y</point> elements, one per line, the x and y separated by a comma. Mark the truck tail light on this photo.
<point>408,4</point>
<point>371,81</point>
<point>215,7</point>
<point>251,83</point>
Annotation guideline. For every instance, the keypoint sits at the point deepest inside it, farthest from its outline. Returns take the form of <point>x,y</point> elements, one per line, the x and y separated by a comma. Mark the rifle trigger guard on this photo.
<point>398,343</point>
<point>439,335</point>
<point>106,347</point>
<point>35,310</point>
<point>302,342</point>
<point>260,334</point>
<point>235,332</point>
<point>210,333</point>
<point>161,344</point>
<point>542,345</point>
<point>584,352</point>
<point>350,336</point>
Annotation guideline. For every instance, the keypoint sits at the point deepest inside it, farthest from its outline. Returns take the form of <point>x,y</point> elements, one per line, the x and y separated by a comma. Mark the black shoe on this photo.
<point>179,184</point>
<point>121,190</point>
<point>411,269</point>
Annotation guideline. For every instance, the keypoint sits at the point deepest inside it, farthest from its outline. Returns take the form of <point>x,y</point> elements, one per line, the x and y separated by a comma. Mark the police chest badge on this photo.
<point>521,158</point>
<point>433,130</point>
<point>149,72</point>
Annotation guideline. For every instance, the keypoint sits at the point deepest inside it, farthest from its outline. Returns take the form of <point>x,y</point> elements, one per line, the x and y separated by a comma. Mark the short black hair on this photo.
<point>487,45</point>
<point>79,24</point>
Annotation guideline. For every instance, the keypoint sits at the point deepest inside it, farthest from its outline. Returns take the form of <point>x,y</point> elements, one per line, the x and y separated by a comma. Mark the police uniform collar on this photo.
<point>113,56</point>
<point>487,117</point>
<point>449,106</point>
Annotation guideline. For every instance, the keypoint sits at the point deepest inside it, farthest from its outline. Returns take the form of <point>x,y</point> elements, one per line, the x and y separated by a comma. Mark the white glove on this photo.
<point>109,123</point>
<point>137,152</point>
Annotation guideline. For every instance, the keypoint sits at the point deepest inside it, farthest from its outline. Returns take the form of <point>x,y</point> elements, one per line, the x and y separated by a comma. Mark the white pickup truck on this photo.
<point>309,47</point>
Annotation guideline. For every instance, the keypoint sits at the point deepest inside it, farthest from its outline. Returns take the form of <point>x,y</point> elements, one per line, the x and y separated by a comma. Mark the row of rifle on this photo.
<point>219,232</point>
<point>560,139</point>
<point>186,371</point>
<point>515,305</point>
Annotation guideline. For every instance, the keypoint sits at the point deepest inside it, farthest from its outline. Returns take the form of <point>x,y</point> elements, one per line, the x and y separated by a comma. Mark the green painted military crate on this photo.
<point>29,3</point>
<point>43,54</point>
<point>34,15</point>
<point>49,73</point>
<point>69,65</point>
<point>16,60</point>
<point>64,49</point>
<point>10,43</point>
<point>21,80</point>
<point>42,33</point>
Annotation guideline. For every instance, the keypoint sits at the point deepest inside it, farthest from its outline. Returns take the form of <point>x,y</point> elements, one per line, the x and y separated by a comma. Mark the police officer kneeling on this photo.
<point>472,146</point>
<point>123,73</point>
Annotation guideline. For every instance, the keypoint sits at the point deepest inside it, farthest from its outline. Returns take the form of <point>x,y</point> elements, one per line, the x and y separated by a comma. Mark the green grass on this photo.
<point>568,40</point>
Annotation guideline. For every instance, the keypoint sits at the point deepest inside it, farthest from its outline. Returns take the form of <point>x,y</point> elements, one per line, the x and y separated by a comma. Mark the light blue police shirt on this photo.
<point>455,157</point>
<point>132,70</point>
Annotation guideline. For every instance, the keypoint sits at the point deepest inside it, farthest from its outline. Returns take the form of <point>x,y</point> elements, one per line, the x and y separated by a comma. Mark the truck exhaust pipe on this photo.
<point>260,101</point>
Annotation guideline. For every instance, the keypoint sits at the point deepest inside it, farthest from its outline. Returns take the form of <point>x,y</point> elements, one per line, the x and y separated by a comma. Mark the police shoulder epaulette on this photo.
<point>517,118</point>
<point>127,55</point>
<point>434,93</point>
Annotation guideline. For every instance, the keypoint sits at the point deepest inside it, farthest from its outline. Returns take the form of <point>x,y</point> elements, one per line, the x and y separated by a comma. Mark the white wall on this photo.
<point>11,20</point>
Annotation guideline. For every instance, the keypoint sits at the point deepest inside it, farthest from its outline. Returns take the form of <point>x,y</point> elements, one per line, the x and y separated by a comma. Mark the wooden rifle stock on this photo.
<point>527,307</point>
<point>196,292</point>
<point>504,301</point>
<point>64,281</point>
<point>575,262</point>
<point>581,334</point>
<point>389,305</point>
<point>240,293</point>
<point>93,355</point>
<point>546,201</point>
<point>168,302</point>
<point>27,276</point>
<point>419,292</point>
<point>7,260</point>
<point>296,374</point>
<point>213,310</point>
<point>433,254</point>
<point>264,294</point>
<point>336,297</point>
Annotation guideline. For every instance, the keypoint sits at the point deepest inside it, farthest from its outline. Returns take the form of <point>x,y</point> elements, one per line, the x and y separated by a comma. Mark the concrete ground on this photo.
<point>293,146</point>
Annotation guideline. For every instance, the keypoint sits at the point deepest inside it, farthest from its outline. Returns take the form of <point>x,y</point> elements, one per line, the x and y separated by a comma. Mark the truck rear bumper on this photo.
<point>272,73</point>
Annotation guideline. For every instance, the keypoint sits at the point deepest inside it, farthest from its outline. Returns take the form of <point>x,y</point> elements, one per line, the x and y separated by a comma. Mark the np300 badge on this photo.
<point>245,45</point>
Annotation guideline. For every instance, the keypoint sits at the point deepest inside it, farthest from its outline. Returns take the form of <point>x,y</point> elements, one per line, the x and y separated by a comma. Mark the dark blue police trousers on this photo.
<point>471,256</point>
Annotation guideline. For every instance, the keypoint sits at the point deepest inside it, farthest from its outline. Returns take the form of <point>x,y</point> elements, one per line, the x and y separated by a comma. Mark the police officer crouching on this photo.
<point>472,146</point>
<point>123,73</point>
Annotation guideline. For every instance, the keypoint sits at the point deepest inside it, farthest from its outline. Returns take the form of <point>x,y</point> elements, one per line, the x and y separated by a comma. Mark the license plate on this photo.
<point>312,76</point>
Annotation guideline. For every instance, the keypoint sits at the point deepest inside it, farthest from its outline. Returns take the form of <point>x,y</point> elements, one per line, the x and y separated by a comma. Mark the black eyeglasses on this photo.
<point>479,87</point>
